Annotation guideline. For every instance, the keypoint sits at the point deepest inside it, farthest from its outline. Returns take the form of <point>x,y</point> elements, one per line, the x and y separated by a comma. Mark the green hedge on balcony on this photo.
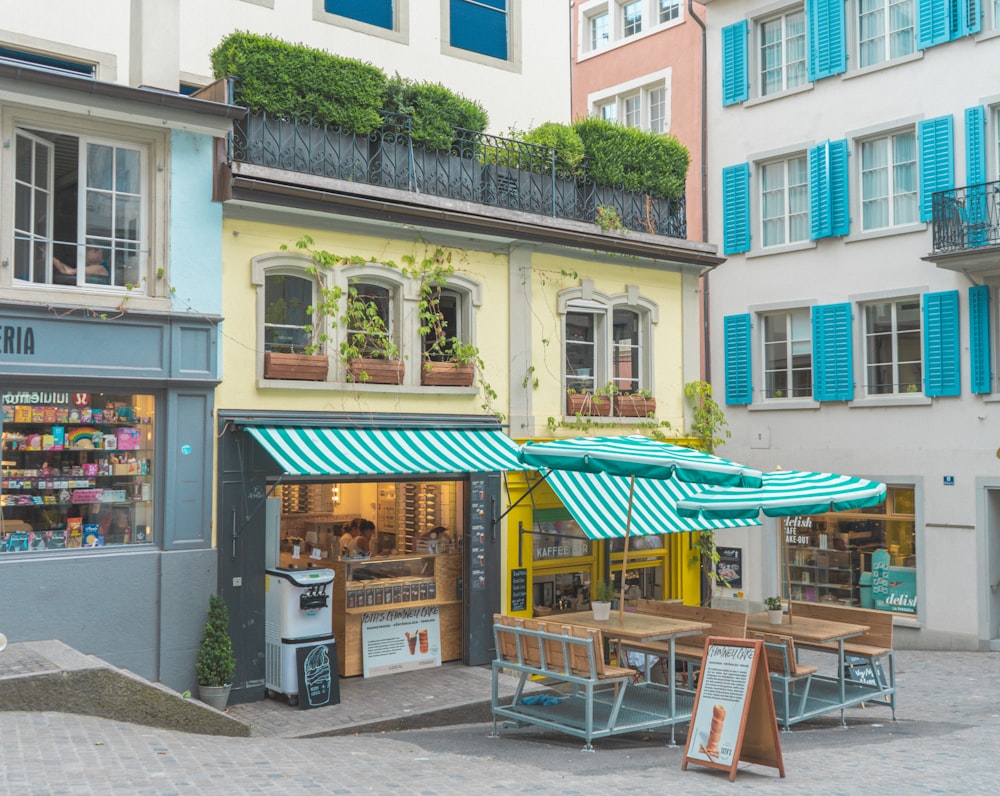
<point>295,80</point>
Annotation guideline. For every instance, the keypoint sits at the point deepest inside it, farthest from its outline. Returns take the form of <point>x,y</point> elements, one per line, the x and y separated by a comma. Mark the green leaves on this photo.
<point>215,665</point>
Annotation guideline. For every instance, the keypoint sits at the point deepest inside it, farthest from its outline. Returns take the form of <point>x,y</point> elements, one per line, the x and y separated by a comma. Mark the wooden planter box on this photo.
<point>634,406</point>
<point>447,374</point>
<point>296,367</point>
<point>375,371</point>
<point>588,404</point>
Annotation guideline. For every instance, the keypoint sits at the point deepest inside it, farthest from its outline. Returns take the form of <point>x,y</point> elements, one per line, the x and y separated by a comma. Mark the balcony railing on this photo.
<point>481,168</point>
<point>967,218</point>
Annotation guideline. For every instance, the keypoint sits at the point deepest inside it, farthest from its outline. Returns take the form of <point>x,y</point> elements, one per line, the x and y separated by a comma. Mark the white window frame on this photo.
<point>892,195</point>
<point>589,42</point>
<point>615,9</point>
<point>145,292</point>
<point>783,18</point>
<point>886,36</point>
<point>993,149</point>
<point>786,200</point>
<point>515,39</point>
<point>642,87</point>
<point>623,20</point>
<point>668,11</point>
<point>584,300</point>
<point>792,345</point>
<point>893,362</point>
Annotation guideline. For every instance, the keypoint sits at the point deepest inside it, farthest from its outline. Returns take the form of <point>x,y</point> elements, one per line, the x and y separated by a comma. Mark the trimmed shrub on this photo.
<point>633,159</point>
<point>564,140</point>
<point>295,80</point>
<point>436,111</point>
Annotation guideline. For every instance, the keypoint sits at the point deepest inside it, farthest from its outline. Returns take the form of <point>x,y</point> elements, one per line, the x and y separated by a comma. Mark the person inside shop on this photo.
<point>349,539</point>
<point>366,538</point>
<point>95,265</point>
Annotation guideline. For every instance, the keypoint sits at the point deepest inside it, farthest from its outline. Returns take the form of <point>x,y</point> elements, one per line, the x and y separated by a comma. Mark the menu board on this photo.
<point>400,639</point>
<point>734,696</point>
<point>518,590</point>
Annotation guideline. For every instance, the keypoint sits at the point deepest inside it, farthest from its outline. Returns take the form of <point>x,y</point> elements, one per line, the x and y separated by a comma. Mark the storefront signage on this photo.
<point>36,397</point>
<point>794,527</point>
<point>17,340</point>
<point>893,588</point>
<point>519,590</point>
<point>400,640</point>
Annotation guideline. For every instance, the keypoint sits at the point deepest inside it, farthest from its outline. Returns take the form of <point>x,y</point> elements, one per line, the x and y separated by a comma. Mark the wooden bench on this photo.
<point>872,647</point>
<point>590,698</point>
<point>787,676</point>
<point>690,649</point>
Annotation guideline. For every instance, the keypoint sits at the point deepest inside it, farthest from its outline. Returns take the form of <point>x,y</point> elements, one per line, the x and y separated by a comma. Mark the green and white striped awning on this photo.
<point>599,503</point>
<point>385,451</point>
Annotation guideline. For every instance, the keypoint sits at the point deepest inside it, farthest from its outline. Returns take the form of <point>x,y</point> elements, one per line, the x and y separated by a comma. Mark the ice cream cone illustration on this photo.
<point>316,672</point>
<point>715,731</point>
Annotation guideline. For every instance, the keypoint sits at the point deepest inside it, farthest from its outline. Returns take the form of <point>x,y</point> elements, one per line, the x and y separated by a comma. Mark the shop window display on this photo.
<point>865,558</point>
<point>77,470</point>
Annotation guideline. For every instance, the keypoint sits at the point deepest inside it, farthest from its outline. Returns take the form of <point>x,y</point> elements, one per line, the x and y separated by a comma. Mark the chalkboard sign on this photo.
<point>518,590</point>
<point>316,667</point>
<point>864,670</point>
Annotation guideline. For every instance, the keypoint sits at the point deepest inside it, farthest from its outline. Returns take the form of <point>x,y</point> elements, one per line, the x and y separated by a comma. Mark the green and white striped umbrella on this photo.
<point>600,502</point>
<point>784,493</point>
<point>637,456</point>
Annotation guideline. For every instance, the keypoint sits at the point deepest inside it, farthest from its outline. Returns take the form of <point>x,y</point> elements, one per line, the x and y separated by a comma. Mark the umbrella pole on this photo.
<point>628,531</point>
<point>788,578</point>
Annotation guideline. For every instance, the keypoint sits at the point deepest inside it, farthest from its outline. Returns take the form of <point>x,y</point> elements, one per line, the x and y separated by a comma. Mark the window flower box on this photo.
<point>295,367</point>
<point>370,370</point>
<point>447,374</point>
<point>634,405</point>
<point>588,404</point>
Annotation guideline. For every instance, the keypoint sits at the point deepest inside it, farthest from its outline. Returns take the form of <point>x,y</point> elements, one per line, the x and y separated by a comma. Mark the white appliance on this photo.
<point>297,615</point>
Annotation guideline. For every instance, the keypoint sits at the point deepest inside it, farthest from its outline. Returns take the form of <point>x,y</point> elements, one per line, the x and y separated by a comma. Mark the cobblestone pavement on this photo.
<point>947,740</point>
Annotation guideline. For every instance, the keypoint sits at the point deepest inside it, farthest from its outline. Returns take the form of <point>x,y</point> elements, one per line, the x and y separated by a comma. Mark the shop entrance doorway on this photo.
<point>992,563</point>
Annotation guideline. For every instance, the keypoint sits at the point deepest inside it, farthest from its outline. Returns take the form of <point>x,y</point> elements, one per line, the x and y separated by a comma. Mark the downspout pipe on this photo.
<point>706,337</point>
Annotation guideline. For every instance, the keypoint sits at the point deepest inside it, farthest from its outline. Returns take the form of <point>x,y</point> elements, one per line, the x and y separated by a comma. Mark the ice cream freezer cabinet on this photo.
<point>300,647</point>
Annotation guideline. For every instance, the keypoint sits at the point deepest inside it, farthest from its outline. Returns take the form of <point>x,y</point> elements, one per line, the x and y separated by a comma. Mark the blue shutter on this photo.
<point>736,209</point>
<point>976,198</point>
<point>736,333</point>
<point>980,359</point>
<point>975,145</point>
<point>965,17</point>
<point>825,28</point>
<point>828,179</point>
<point>735,83</point>
<point>932,23</point>
<point>935,146</point>
<point>373,12</point>
<point>479,26</point>
<point>832,353</point>
<point>942,372</point>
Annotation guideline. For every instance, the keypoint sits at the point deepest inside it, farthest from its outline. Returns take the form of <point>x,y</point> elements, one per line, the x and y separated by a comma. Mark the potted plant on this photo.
<point>215,664</point>
<point>601,594</point>
<point>638,403</point>
<point>774,609</point>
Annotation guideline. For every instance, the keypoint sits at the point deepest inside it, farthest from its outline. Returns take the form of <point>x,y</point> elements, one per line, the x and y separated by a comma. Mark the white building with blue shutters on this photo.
<point>854,182</point>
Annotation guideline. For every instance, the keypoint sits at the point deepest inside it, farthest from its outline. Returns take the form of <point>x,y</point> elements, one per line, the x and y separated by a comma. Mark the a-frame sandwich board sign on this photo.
<point>733,718</point>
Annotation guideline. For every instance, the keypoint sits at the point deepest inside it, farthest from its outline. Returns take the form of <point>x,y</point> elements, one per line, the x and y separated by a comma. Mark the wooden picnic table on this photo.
<point>807,630</point>
<point>642,628</point>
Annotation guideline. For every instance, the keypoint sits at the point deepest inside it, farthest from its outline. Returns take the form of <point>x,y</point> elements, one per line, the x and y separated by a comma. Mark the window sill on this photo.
<point>116,299</point>
<point>798,246</point>
<point>350,386</point>
<point>880,401</point>
<point>788,92</point>
<point>904,59</point>
<point>778,404</point>
<point>905,229</point>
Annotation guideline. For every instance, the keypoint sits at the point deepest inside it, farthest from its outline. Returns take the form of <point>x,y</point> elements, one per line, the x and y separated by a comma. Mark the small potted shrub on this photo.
<point>216,664</point>
<point>774,609</point>
<point>601,594</point>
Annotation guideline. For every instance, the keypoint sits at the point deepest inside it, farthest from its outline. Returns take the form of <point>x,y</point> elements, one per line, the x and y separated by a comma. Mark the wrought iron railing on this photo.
<point>967,218</point>
<point>487,169</point>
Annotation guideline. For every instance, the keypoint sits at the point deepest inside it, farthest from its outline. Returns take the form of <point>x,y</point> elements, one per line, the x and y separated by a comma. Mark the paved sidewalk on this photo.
<point>946,741</point>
